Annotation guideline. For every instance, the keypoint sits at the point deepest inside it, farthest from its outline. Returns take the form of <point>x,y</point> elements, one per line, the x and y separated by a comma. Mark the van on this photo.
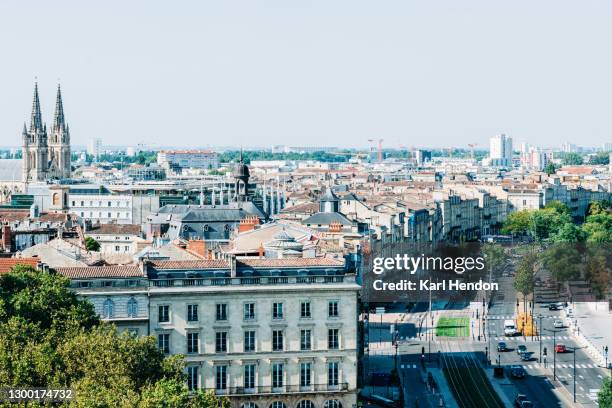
<point>509,328</point>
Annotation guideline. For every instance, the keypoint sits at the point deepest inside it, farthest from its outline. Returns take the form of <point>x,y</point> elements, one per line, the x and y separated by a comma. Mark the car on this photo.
<point>560,348</point>
<point>519,399</point>
<point>527,404</point>
<point>558,324</point>
<point>502,346</point>
<point>526,356</point>
<point>517,371</point>
<point>553,306</point>
<point>521,349</point>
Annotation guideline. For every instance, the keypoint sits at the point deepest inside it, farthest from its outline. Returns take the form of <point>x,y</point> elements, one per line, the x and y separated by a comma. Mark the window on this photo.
<point>305,339</point>
<point>192,313</point>
<point>73,204</point>
<point>305,310</point>
<point>332,373</point>
<point>116,246</point>
<point>333,342</point>
<point>133,332</point>
<point>221,377</point>
<point>163,314</point>
<point>277,310</point>
<point>249,311</point>
<point>249,404</point>
<point>109,203</point>
<point>305,374</point>
<point>332,308</point>
<point>249,376</point>
<point>192,378</point>
<point>277,375</point>
<point>306,404</point>
<point>277,340</point>
<point>221,311</point>
<point>221,342</point>
<point>132,307</point>
<point>108,308</point>
<point>163,342</point>
<point>249,340</point>
<point>332,404</point>
<point>82,203</point>
<point>84,284</point>
<point>192,342</point>
<point>278,404</point>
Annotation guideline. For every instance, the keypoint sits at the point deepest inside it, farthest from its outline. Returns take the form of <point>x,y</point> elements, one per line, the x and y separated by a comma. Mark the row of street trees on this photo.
<point>49,338</point>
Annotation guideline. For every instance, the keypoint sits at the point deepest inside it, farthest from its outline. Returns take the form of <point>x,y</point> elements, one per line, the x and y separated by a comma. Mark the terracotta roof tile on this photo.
<point>6,264</point>
<point>199,264</point>
<point>118,271</point>
<point>290,262</point>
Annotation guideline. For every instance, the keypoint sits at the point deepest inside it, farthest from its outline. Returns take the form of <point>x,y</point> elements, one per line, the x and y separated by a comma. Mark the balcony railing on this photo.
<point>287,389</point>
<point>264,280</point>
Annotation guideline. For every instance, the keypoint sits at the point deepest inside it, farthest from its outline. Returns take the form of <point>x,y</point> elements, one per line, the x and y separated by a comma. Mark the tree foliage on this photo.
<point>604,398</point>
<point>517,223</point>
<point>91,244</point>
<point>572,159</point>
<point>524,279</point>
<point>50,338</point>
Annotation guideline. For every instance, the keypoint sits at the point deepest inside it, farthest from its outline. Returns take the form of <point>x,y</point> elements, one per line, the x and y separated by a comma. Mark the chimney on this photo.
<point>248,223</point>
<point>232,261</point>
<point>261,251</point>
<point>197,247</point>
<point>6,238</point>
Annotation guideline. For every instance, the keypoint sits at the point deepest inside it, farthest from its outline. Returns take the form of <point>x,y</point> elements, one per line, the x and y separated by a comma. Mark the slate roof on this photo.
<point>200,264</point>
<point>115,229</point>
<point>289,262</point>
<point>323,218</point>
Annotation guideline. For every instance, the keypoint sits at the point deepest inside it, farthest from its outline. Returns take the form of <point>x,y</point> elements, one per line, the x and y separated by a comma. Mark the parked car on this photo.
<point>560,348</point>
<point>502,346</point>
<point>558,324</point>
<point>553,306</point>
<point>521,349</point>
<point>517,371</point>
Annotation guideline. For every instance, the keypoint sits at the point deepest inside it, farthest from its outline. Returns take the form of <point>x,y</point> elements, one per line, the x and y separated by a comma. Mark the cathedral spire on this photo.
<point>58,119</point>
<point>36,121</point>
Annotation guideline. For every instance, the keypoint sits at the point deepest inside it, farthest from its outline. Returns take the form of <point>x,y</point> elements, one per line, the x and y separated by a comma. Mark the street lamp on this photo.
<point>540,328</point>
<point>554,332</point>
<point>574,351</point>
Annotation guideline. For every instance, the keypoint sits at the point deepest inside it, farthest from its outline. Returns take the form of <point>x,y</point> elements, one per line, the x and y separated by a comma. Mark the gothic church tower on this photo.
<point>46,157</point>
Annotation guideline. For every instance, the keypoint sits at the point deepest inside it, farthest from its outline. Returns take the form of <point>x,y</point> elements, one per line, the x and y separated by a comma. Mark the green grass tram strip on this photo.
<point>453,327</point>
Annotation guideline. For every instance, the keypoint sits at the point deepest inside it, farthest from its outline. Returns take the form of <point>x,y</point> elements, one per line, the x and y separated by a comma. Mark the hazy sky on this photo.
<point>335,73</point>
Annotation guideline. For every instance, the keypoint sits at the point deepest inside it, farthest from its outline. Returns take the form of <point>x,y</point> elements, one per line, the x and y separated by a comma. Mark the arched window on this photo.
<point>132,307</point>
<point>334,403</point>
<point>108,308</point>
<point>305,404</point>
<point>249,404</point>
<point>278,404</point>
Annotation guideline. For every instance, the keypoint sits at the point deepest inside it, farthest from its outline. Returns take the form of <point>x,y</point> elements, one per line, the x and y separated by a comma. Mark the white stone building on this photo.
<point>268,333</point>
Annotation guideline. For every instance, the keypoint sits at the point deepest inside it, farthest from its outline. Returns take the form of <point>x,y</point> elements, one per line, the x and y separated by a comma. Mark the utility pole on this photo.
<point>540,337</point>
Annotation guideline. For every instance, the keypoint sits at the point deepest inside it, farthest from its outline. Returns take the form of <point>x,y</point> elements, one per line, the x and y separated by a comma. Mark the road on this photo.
<point>538,384</point>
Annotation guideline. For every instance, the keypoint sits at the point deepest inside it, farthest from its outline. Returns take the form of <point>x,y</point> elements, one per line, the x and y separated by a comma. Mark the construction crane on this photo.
<point>379,150</point>
<point>472,146</point>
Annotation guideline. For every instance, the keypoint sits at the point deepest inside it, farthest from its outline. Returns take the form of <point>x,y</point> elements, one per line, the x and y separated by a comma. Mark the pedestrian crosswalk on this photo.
<point>511,317</point>
<point>537,366</point>
<point>535,338</point>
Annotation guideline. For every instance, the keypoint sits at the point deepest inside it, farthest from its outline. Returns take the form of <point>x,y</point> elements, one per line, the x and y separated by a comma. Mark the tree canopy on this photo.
<point>51,338</point>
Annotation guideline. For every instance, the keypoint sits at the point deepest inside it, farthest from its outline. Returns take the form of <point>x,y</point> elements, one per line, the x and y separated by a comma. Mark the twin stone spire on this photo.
<point>46,155</point>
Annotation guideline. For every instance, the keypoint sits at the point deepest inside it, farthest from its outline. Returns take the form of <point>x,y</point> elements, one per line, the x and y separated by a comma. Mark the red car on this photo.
<point>560,348</point>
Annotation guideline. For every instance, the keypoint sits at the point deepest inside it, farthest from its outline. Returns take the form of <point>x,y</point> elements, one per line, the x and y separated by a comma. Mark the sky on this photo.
<point>311,73</point>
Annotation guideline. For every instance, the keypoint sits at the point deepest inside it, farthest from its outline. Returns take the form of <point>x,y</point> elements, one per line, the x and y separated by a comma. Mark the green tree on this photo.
<point>599,207</point>
<point>598,227</point>
<point>550,168</point>
<point>563,260</point>
<point>568,233</point>
<point>494,255</point>
<point>572,159</point>
<point>601,158</point>
<point>525,275</point>
<point>604,397</point>
<point>91,244</point>
<point>517,223</point>
<point>51,338</point>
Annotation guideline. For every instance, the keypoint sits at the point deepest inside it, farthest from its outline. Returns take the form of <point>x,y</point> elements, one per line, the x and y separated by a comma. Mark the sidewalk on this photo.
<point>593,328</point>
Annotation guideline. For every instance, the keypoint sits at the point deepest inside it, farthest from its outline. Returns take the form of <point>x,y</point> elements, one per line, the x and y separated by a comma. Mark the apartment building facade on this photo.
<point>264,332</point>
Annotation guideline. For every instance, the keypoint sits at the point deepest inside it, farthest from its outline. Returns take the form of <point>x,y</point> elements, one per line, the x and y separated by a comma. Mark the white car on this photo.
<point>558,324</point>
